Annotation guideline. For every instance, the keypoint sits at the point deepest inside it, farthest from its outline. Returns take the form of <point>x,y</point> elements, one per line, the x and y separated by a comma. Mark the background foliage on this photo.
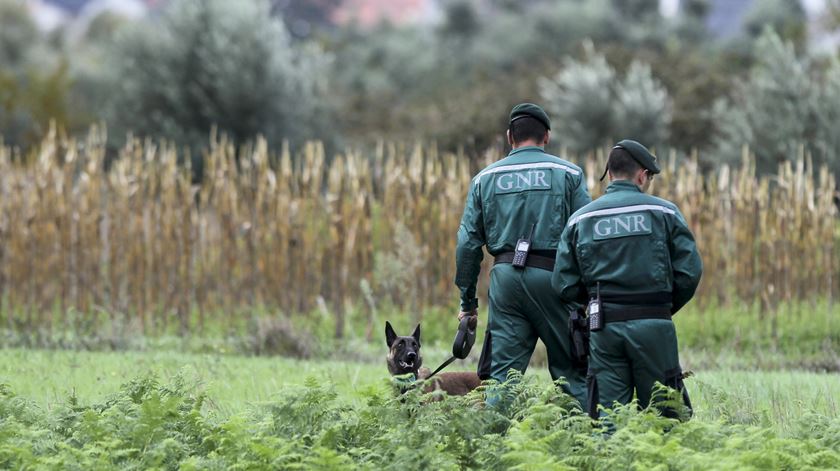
<point>193,65</point>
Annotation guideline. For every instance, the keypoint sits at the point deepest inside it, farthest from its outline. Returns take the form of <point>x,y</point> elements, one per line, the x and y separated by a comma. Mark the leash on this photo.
<point>464,340</point>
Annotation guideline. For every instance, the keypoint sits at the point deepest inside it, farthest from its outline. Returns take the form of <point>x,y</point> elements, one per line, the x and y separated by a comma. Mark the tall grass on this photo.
<point>145,243</point>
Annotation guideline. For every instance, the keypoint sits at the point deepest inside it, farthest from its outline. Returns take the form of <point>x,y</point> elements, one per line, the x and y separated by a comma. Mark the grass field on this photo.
<point>158,410</point>
<point>234,384</point>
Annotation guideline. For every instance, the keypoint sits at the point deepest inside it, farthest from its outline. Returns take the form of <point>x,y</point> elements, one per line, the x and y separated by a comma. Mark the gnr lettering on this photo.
<point>622,225</point>
<point>523,181</point>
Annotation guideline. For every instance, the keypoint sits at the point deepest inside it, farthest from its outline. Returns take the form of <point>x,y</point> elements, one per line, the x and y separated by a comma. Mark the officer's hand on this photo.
<point>473,315</point>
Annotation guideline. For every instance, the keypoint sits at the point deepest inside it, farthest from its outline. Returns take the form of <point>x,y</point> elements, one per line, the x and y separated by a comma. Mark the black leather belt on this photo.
<point>636,298</point>
<point>533,260</point>
<point>632,313</point>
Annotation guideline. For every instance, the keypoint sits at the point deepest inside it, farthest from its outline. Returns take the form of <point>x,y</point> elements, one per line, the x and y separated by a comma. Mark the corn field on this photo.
<point>290,232</point>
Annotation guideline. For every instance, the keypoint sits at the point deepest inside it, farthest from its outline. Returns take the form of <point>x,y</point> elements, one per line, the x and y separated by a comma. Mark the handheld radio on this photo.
<point>594,311</point>
<point>523,246</point>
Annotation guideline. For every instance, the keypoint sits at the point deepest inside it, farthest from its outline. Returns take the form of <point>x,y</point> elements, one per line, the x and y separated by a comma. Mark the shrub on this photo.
<point>214,63</point>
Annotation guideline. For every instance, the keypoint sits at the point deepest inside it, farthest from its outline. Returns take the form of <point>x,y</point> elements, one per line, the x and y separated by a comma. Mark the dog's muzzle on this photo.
<point>410,359</point>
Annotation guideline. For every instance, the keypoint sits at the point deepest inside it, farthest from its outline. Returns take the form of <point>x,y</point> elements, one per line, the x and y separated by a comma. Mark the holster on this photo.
<point>579,336</point>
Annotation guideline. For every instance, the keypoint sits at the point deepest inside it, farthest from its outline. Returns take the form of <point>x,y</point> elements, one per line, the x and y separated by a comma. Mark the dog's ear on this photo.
<point>390,335</point>
<point>416,333</point>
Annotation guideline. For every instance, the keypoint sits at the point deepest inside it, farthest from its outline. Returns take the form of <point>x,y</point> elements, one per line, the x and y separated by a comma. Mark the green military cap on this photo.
<point>529,109</point>
<point>639,153</point>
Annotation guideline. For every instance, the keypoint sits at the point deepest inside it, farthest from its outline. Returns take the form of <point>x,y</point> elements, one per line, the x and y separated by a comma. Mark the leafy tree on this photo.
<point>691,22</point>
<point>774,112</point>
<point>34,81</point>
<point>591,106</point>
<point>695,80</point>
<point>579,99</point>
<point>827,139</point>
<point>786,17</point>
<point>642,108</point>
<point>460,19</point>
<point>636,10</point>
<point>215,63</point>
<point>18,34</point>
<point>833,17</point>
<point>303,17</point>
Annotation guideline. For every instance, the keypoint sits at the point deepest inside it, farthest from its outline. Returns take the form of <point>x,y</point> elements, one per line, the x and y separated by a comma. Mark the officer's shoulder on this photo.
<point>575,169</point>
<point>662,202</point>
<point>499,163</point>
<point>593,205</point>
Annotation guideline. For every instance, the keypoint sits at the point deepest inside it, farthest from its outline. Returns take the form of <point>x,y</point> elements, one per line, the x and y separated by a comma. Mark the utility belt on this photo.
<point>633,306</point>
<point>637,306</point>
<point>632,313</point>
<point>543,259</point>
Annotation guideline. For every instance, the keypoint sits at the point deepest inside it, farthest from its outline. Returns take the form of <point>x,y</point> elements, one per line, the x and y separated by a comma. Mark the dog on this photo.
<point>404,358</point>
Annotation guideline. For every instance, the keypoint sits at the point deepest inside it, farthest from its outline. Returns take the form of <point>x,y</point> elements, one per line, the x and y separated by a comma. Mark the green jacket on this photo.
<point>630,242</point>
<point>505,199</point>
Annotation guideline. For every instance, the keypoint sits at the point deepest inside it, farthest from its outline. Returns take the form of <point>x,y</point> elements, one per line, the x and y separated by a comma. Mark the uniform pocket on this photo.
<point>662,261</point>
<point>584,253</point>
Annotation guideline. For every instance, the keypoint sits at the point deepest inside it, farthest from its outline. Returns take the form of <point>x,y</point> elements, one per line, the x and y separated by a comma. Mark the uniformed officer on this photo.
<point>527,195</point>
<point>637,252</point>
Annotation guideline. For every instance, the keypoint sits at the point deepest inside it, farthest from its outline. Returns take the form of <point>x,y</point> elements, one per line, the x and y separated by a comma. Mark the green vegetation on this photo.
<point>217,412</point>
<point>237,384</point>
<point>800,336</point>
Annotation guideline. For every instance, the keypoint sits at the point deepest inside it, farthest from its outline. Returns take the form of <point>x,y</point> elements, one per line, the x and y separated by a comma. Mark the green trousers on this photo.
<point>524,307</point>
<point>632,356</point>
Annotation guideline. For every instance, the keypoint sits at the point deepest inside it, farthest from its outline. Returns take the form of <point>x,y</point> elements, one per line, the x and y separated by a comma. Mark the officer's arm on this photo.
<point>566,279</point>
<point>580,194</point>
<point>468,253</point>
<point>686,263</point>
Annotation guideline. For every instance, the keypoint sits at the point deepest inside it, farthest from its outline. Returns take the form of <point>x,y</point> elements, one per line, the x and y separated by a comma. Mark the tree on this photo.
<point>642,108</point>
<point>691,22</point>
<point>590,106</point>
<point>18,34</point>
<point>215,63</point>
<point>786,17</point>
<point>579,99</point>
<point>774,111</point>
<point>460,20</point>
<point>827,141</point>
<point>34,81</point>
<point>302,17</point>
<point>637,10</point>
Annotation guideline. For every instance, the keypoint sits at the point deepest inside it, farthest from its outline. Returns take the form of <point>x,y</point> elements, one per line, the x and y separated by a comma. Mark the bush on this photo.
<point>34,82</point>
<point>148,424</point>
<point>781,109</point>
<point>591,107</point>
<point>643,107</point>
<point>579,98</point>
<point>215,63</point>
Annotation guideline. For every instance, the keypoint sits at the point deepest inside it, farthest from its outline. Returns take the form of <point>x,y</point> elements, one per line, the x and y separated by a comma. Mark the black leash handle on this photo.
<point>464,340</point>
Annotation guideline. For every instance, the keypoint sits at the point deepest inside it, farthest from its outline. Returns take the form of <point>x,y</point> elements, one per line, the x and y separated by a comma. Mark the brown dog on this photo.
<point>404,358</point>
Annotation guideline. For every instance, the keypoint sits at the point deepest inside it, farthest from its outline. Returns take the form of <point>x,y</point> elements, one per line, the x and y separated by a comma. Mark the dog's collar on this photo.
<point>404,382</point>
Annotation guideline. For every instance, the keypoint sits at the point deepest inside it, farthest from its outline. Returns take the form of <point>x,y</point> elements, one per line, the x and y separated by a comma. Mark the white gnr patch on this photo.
<point>513,182</point>
<point>622,225</point>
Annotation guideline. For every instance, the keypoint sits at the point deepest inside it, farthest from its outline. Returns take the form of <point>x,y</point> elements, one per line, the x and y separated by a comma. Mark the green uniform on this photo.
<point>505,199</point>
<point>641,252</point>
